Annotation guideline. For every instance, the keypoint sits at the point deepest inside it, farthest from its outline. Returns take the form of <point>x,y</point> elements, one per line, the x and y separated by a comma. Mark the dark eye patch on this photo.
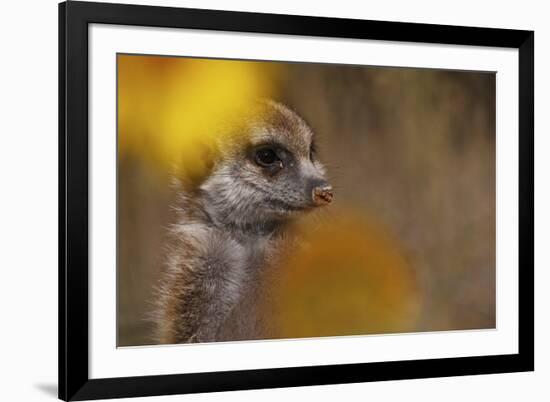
<point>312,151</point>
<point>271,156</point>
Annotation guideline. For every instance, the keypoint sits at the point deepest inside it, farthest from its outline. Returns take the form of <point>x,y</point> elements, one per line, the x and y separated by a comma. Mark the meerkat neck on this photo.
<point>229,219</point>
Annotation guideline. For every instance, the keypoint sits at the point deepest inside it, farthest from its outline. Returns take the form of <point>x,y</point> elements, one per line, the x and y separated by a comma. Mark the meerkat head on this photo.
<point>267,173</point>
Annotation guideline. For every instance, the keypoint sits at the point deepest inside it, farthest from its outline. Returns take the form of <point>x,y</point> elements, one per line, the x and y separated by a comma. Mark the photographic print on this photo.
<point>254,200</point>
<point>266,200</point>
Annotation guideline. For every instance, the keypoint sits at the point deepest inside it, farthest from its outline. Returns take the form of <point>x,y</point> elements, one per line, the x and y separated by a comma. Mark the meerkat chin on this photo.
<point>229,228</point>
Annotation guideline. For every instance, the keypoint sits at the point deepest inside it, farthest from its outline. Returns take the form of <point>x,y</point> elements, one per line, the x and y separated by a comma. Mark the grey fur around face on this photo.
<point>229,231</point>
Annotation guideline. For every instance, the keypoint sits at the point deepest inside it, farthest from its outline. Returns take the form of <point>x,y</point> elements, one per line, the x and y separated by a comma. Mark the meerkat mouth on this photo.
<point>286,207</point>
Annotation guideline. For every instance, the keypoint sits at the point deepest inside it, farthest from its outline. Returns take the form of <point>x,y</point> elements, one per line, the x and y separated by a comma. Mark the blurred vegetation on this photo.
<point>409,244</point>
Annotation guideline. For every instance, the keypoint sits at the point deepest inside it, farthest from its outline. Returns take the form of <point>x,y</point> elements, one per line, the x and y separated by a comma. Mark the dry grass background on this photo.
<point>411,154</point>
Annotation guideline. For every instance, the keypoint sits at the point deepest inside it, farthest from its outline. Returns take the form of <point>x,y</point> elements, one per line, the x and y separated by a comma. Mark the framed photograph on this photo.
<point>257,201</point>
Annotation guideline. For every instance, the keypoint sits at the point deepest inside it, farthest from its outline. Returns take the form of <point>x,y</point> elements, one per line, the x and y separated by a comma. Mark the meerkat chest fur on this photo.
<point>234,260</point>
<point>212,289</point>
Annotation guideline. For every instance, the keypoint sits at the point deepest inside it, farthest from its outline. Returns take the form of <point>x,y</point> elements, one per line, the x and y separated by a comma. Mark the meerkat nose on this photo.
<point>322,195</point>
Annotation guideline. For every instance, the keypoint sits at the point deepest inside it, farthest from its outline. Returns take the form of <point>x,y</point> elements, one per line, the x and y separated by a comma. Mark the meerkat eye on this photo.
<point>266,157</point>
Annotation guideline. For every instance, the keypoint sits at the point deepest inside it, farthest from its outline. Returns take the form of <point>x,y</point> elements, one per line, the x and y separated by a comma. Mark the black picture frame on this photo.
<point>74,381</point>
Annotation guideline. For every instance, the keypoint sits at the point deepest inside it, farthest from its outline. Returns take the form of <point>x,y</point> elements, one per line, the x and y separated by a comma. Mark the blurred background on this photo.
<point>409,243</point>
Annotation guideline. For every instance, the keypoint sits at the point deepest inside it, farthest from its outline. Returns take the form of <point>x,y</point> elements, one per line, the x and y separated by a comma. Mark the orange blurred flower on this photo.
<point>348,278</point>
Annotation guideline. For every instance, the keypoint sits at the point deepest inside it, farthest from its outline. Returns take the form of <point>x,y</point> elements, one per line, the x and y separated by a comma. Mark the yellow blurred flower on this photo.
<point>170,109</point>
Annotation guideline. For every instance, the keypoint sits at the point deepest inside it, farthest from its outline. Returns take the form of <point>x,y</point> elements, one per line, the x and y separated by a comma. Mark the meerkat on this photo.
<point>229,228</point>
